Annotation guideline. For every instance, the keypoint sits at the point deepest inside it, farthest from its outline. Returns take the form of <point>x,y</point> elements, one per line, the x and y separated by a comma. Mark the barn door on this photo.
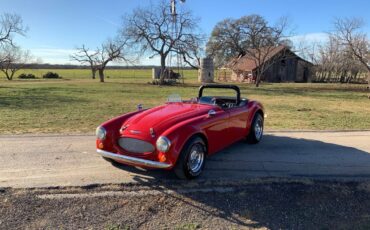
<point>305,74</point>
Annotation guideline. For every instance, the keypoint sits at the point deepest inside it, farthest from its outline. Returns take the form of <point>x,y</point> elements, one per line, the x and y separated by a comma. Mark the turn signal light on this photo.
<point>100,146</point>
<point>162,157</point>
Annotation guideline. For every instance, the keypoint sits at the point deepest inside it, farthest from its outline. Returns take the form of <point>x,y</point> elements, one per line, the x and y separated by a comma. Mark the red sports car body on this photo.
<point>180,134</point>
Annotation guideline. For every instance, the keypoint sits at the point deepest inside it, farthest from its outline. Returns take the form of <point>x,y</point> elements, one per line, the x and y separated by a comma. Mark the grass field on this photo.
<point>77,104</point>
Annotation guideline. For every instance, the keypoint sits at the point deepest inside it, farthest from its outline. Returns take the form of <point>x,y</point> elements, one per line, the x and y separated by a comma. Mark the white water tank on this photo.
<point>206,70</point>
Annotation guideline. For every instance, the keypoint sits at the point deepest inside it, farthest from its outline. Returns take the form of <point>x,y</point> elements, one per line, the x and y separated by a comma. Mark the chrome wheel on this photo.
<point>196,158</point>
<point>192,158</point>
<point>258,128</point>
<point>256,131</point>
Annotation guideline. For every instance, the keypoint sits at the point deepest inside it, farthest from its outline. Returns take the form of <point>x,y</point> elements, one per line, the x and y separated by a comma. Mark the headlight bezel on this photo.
<point>101,133</point>
<point>163,144</point>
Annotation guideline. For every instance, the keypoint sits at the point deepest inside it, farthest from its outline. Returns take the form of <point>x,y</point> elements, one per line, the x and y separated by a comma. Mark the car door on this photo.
<point>238,117</point>
<point>216,127</point>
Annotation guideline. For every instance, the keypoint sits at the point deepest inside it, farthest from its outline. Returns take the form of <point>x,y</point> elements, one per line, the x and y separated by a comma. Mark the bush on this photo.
<point>26,76</point>
<point>51,75</point>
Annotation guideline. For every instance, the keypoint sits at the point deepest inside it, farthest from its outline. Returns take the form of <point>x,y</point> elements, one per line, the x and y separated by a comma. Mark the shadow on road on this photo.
<point>273,205</point>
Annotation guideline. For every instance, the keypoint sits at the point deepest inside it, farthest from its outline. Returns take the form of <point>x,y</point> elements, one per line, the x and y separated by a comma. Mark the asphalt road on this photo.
<point>47,161</point>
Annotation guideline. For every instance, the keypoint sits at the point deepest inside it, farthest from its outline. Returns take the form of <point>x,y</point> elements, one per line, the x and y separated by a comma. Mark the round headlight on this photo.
<point>163,144</point>
<point>100,133</point>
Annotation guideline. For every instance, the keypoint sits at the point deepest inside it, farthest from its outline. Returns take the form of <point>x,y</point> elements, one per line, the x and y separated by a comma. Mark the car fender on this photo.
<point>181,133</point>
<point>112,128</point>
<point>253,107</point>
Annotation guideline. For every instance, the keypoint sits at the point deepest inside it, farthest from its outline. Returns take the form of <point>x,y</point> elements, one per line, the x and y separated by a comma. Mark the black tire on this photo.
<point>256,130</point>
<point>183,168</point>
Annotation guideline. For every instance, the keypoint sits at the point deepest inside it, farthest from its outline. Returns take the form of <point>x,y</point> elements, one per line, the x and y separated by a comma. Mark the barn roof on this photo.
<point>249,62</point>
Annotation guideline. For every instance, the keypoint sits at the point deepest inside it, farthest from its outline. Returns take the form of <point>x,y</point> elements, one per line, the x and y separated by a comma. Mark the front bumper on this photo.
<point>133,160</point>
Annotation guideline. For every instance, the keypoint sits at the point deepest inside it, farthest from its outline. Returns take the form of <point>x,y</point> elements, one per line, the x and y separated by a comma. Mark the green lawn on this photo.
<point>77,104</point>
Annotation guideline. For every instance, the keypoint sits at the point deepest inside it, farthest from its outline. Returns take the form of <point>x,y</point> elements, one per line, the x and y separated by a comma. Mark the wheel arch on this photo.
<point>255,108</point>
<point>202,136</point>
<point>182,133</point>
<point>259,111</point>
<point>181,167</point>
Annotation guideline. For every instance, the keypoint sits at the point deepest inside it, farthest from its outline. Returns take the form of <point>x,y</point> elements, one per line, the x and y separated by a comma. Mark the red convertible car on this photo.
<point>179,135</point>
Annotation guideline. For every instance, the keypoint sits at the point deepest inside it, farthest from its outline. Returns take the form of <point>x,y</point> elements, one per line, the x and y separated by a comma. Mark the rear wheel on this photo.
<point>192,159</point>
<point>256,131</point>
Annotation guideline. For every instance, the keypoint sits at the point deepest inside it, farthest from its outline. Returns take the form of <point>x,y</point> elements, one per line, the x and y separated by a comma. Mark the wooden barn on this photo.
<point>277,64</point>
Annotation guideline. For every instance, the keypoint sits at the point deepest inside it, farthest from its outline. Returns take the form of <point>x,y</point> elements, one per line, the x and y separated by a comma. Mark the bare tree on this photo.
<point>308,50</point>
<point>12,59</point>
<point>192,51</point>
<point>249,35</point>
<point>329,60</point>
<point>153,30</point>
<point>348,33</point>
<point>333,62</point>
<point>110,51</point>
<point>85,56</point>
<point>10,24</point>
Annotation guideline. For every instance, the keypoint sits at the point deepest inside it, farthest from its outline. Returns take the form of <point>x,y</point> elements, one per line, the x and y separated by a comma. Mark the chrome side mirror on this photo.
<point>211,113</point>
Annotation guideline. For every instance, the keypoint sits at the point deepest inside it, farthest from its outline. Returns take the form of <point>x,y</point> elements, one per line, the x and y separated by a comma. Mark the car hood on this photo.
<point>158,119</point>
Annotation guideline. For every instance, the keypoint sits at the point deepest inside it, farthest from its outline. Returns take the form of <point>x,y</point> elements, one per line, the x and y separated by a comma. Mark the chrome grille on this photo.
<point>135,145</point>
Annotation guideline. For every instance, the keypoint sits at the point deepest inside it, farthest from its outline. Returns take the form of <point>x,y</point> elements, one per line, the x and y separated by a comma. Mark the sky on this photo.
<point>57,27</point>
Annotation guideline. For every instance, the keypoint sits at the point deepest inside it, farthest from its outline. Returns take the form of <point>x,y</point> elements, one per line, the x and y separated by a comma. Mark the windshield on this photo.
<point>174,98</point>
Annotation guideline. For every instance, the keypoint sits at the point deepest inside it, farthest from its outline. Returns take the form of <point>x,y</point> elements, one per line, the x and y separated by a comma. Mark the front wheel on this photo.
<point>192,159</point>
<point>256,130</point>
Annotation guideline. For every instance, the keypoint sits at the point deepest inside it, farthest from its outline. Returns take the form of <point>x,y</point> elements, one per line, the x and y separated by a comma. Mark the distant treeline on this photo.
<point>55,66</point>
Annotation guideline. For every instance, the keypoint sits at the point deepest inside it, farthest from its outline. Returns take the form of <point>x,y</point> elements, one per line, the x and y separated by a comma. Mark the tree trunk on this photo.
<point>364,61</point>
<point>12,74</point>
<point>93,73</point>
<point>343,77</point>
<point>9,77</point>
<point>258,78</point>
<point>163,68</point>
<point>101,74</point>
<point>5,71</point>
<point>368,78</point>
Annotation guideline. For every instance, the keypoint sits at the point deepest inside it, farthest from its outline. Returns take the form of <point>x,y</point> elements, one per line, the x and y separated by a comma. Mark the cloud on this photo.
<point>54,55</point>
<point>310,38</point>
<point>108,21</point>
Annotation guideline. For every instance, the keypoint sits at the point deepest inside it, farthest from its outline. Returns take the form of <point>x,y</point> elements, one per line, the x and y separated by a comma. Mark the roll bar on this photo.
<point>216,86</point>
